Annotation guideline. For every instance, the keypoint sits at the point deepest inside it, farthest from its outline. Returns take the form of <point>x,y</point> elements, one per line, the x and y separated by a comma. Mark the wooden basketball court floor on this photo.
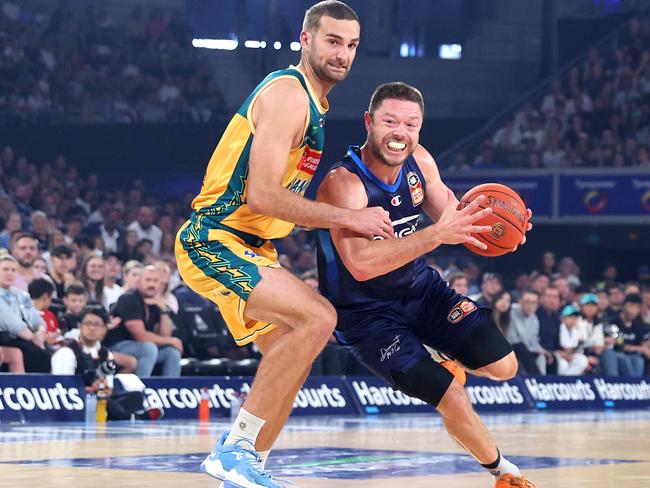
<point>584,449</point>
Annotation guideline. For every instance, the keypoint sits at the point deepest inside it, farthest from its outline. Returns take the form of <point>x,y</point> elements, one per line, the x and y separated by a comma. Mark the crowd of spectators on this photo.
<point>71,245</point>
<point>558,324</point>
<point>88,67</point>
<point>596,116</point>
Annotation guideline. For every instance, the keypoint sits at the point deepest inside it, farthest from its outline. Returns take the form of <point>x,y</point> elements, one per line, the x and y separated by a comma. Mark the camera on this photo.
<point>106,368</point>
<point>103,369</point>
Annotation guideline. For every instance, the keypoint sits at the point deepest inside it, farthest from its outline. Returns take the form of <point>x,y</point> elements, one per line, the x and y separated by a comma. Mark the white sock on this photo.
<point>505,467</point>
<point>247,426</point>
<point>264,455</point>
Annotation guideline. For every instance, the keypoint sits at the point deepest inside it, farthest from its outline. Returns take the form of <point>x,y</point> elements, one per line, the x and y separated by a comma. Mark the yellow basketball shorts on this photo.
<point>222,267</point>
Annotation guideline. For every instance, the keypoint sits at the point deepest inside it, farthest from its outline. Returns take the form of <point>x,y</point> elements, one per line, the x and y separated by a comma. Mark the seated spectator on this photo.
<point>145,329</point>
<point>163,287</point>
<point>570,360</point>
<point>74,300</point>
<point>112,291</point>
<point>12,359</point>
<point>491,284</point>
<point>132,272</point>
<point>145,228</point>
<point>88,358</point>
<point>41,291</point>
<point>112,235</point>
<point>616,296</point>
<point>92,277</point>
<point>459,282</point>
<point>41,229</point>
<point>626,340</point>
<point>523,334</point>
<point>13,224</point>
<point>20,322</point>
<point>501,310</point>
<point>83,246</point>
<point>591,329</point>
<point>548,315</point>
<point>539,282</point>
<point>25,250</point>
<point>59,271</point>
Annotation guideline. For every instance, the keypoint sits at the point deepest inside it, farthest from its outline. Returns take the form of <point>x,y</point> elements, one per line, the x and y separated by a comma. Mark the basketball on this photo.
<point>508,220</point>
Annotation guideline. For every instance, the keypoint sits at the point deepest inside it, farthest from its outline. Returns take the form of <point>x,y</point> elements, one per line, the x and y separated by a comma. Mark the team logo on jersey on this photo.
<point>396,201</point>
<point>415,187</point>
<point>460,311</point>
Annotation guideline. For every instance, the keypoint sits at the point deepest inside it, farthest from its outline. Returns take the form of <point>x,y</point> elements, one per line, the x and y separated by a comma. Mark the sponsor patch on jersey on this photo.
<point>396,201</point>
<point>415,187</point>
<point>460,311</point>
<point>309,161</point>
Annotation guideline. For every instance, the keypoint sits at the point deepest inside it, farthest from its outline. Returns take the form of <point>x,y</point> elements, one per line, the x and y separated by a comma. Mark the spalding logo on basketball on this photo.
<point>508,220</point>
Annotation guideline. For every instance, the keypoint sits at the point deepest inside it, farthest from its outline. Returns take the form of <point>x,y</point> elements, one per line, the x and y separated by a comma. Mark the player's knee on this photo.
<point>321,322</point>
<point>503,369</point>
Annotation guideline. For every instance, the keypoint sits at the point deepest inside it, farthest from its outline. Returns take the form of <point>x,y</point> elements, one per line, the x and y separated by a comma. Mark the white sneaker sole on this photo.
<point>229,478</point>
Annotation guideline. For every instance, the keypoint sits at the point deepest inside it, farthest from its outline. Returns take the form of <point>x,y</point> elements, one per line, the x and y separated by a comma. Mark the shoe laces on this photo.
<point>247,446</point>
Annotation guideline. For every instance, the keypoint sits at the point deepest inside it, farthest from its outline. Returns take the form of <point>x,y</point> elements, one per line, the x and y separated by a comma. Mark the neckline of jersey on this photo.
<point>321,108</point>
<point>361,165</point>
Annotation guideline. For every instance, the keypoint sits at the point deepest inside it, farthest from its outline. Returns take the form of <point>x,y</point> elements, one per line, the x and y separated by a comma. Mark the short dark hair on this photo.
<point>633,298</point>
<point>95,310</point>
<point>76,288</point>
<point>83,240</point>
<point>39,287</point>
<point>328,8</point>
<point>62,250</point>
<point>395,90</point>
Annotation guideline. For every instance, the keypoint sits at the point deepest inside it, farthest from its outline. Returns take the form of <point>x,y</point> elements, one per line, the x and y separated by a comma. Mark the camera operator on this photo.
<point>88,358</point>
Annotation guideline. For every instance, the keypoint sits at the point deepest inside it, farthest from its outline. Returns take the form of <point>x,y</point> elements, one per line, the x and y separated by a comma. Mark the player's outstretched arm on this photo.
<point>279,117</point>
<point>368,258</point>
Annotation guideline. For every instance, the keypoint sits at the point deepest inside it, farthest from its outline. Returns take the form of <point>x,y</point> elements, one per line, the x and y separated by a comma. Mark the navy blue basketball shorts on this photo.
<point>391,338</point>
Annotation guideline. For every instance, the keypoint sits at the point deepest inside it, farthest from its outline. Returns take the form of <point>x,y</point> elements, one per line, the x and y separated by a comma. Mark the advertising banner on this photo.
<point>535,190</point>
<point>373,396</point>
<point>623,195</point>
<point>41,398</point>
<point>490,396</point>
<point>180,397</point>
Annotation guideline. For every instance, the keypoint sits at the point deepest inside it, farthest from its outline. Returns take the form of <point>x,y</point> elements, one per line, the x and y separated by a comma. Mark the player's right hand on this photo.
<point>457,226</point>
<point>371,222</point>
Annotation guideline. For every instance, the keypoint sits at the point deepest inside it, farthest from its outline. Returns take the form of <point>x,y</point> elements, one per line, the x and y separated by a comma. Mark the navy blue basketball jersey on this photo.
<point>403,201</point>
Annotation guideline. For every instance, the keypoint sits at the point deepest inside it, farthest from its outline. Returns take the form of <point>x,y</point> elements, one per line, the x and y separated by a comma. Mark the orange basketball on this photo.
<point>509,218</point>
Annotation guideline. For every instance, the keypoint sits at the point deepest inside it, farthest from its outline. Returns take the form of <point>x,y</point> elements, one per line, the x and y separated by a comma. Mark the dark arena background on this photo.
<point>109,114</point>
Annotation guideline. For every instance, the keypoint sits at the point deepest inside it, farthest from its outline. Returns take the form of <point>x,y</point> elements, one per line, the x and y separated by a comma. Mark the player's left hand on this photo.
<point>528,227</point>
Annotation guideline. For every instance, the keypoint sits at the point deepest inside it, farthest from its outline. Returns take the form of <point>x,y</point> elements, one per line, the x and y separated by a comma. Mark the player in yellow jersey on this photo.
<point>252,192</point>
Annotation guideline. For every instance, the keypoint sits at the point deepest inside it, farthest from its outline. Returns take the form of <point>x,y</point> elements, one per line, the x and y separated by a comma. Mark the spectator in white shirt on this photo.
<point>145,228</point>
<point>570,359</point>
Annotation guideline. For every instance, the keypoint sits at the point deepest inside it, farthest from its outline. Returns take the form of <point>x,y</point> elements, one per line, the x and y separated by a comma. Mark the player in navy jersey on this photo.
<point>393,309</point>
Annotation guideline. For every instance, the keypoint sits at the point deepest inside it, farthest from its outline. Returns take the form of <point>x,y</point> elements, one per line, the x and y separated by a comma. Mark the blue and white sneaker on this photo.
<point>237,464</point>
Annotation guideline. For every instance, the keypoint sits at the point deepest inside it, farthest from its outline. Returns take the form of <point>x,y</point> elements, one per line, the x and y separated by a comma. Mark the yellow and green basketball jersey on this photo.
<point>221,204</point>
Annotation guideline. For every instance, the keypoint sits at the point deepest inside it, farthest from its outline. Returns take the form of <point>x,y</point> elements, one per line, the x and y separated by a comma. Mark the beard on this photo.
<point>25,262</point>
<point>323,74</point>
<point>376,149</point>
